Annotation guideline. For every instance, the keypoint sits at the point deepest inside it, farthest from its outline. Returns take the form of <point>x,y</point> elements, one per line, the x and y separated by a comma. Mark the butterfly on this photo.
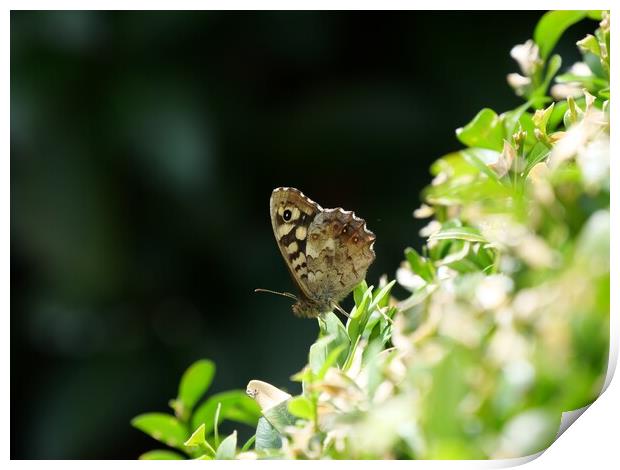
<point>327,251</point>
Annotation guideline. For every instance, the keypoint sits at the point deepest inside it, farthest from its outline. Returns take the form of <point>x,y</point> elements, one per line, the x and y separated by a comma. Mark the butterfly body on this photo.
<point>327,251</point>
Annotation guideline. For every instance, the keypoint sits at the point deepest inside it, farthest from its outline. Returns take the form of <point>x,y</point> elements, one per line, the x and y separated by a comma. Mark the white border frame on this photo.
<point>592,441</point>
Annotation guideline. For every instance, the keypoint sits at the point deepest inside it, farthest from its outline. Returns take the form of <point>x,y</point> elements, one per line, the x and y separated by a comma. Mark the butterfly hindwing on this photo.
<point>339,252</point>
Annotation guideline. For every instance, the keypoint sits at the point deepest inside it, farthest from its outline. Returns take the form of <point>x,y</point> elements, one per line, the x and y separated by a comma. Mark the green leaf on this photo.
<point>590,44</point>
<point>459,233</point>
<point>248,443</point>
<point>197,438</point>
<point>449,384</point>
<point>305,375</point>
<point>334,355</point>
<point>354,325</point>
<point>359,315</point>
<point>552,68</point>
<point>541,117</point>
<point>349,361</point>
<point>301,407</point>
<point>358,292</point>
<point>228,448</point>
<point>551,27</point>
<point>510,119</point>
<point>216,422</point>
<point>318,353</point>
<point>596,15</point>
<point>538,153</point>
<point>480,159</point>
<point>419,265</point>
<point>373,367</point>
<point>332,326</point>
<point>485,131</point>
<point>236,406</point>
<point>371,330</point>
<point>280,417</point>
<point>162,427</point>
<point>267,437</point>
<point>195,382</point>
<point>382,294</point>
<point>557,115</point>
<point>161,454</point>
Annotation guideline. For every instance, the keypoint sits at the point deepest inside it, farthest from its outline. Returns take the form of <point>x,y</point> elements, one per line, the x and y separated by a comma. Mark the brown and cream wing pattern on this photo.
<point>338,253</point>
<point>291,216</point>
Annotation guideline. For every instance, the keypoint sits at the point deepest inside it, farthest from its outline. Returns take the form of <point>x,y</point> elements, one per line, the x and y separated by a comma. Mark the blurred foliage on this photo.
<point>144,147</point>
<point>507,321</point>
<point>205,419</point>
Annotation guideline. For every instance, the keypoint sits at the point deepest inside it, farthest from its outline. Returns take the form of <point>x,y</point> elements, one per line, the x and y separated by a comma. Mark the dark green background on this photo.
<point>144,148</point>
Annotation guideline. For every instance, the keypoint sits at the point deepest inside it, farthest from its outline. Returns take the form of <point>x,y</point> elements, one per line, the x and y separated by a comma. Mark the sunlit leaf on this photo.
<point>267,437</point>
<point>280,417</point>
<point>197,438</point>
<point>319,351</point>
<point>510,119</point>
<point>480,159</point>
<point>485,131</point>
<point>228,448</point>
<point>358,292</point>
<point>301,407</point>
<point>551,27</point>
<point>459,233</point>
<point>236,406</point>
<point>161,455</point>
<point>163,427</point>
<point>195,382</point>
<point>382,294</point>
<point>333,327</point>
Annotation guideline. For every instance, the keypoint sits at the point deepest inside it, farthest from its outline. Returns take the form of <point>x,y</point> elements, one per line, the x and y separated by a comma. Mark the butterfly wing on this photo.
<point>338,253</point>
<point>291,216</point>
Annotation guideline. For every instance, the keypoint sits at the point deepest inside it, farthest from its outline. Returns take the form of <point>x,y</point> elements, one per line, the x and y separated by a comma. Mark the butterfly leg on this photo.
<point>335,306</point>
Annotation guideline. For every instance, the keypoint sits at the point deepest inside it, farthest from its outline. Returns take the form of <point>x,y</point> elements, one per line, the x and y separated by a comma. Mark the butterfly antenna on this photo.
<point>283,294</point>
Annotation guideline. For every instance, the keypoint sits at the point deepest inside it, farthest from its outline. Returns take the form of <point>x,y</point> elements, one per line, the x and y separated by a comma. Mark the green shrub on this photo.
<point>507,321</point>
<point>204,419</point>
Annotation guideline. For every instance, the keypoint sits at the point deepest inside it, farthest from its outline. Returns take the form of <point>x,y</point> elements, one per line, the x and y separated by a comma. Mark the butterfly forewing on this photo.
<point>291,216</point>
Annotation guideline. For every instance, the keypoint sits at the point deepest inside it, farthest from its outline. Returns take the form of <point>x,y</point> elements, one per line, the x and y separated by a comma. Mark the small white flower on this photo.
<point>524,434</point>
<point>441,178</point>
<point>594,162</point>
<point>535,252</point>
<point>504,161</point>
<point>519,373</point>
<point>410,281</point>
<point>542,189</point>
<point>561,91</point>
<point>507,345</point>
<point>444,273</point>
<point>423,212</point>
<point>431,228</point>
<point>526,56</point>
<point>575,139</point>
<point>518,83</point>
<point>493,291</point>
<point>580,69</point>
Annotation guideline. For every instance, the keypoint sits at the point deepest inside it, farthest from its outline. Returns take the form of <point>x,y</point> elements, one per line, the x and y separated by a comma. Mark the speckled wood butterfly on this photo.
<point>327,251</point>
